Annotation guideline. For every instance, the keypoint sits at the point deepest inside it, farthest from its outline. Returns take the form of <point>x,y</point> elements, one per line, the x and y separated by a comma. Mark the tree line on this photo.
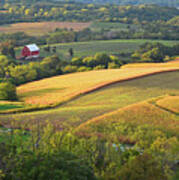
<point>148,31</point>
<point>155,52</point>
<point>70,11</point>
<point>134,2</point>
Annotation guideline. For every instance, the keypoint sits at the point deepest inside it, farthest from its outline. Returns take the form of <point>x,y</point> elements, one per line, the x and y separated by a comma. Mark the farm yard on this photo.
<point>92,47</point>
<point>41,28</point>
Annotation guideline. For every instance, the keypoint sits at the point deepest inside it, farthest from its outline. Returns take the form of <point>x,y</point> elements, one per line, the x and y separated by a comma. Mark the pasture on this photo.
<point>105,46</point>
<point>128,97</point>
<point>41,28</point>
<point>101,46</point>
<point>170,103</point>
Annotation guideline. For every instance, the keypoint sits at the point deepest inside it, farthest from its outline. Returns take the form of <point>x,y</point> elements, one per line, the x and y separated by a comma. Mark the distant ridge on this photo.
<point>170,3</point>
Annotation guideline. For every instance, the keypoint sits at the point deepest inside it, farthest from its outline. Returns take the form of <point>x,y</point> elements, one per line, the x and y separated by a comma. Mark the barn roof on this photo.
<point>33,47</point>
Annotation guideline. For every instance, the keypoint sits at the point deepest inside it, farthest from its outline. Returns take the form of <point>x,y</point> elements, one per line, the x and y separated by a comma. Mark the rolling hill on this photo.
<point>56,90</point>
<point>92,94</point>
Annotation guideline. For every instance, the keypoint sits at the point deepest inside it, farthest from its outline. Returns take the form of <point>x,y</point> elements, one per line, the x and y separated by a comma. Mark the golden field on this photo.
<point>114,97</point>
<point>150,65</point>
<point>170,103</point>
<point>139,114</point>
<point>56,90</point>
<point>41,28</point>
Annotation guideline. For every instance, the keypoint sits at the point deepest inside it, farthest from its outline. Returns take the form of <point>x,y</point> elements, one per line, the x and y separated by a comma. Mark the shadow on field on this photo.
<point>40,92</point>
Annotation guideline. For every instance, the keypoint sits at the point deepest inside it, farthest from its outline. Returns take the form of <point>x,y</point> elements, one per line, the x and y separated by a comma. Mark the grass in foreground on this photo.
<point>102,101</point>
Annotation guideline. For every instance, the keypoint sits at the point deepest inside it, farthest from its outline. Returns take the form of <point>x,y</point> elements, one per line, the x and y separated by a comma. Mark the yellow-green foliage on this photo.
<point>140,114</point>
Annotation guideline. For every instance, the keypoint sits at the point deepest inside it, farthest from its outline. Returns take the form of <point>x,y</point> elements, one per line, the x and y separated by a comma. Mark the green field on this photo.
<point>92,47</point>
<point>102,101</point>
<point>9,106</point>
<point>97,26</point>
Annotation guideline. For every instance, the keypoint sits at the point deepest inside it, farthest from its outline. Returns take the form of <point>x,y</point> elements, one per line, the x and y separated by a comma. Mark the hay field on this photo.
<point>170,103</point>
<point>41,28</point>
<point>140,115</point>
<point>150,65</point>
<point>55,90</point>
<point>102,101</point>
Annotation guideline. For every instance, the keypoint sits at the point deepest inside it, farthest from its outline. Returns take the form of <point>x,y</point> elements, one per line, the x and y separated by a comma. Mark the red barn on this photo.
<point>30,51</point>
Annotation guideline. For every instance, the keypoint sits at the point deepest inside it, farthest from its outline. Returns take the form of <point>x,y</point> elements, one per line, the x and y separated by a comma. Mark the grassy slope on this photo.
<point>139,114</point>
<point>61,88</point>
<point>92,47</point>
<point>103,101</point>
<point>170,103</point>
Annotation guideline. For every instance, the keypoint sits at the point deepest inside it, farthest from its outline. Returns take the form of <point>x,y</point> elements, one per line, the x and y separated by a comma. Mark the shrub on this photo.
<point>112,65</point>
<point>90,61</point>
<point>142,167</point>
<point>77,61</point>
<point>99,67</point>
<point>102,59</point>
<point>61,165</point>
<point>69,69</point>
<point>7,91</point>
<point>116,60</point>
<point>83,69</point>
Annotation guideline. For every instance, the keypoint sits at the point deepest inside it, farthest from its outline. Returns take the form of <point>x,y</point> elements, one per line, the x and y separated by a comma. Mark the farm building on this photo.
<point>30,51</point>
